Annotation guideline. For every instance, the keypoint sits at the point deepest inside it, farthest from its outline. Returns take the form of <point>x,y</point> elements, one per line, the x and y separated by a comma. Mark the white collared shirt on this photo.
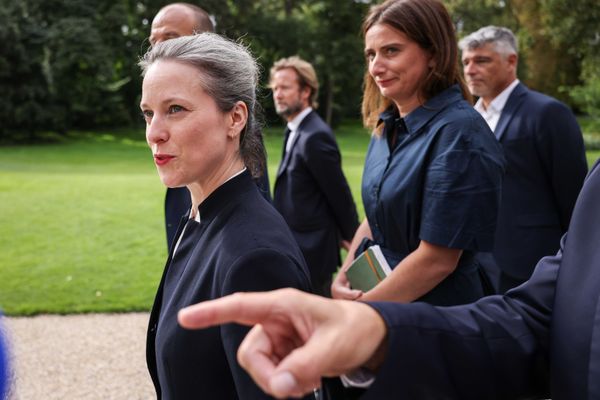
<point>293,126</point>
<point>492,113</point>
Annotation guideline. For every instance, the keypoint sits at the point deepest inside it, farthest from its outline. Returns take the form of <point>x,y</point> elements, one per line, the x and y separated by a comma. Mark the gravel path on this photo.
<point>79,357</point>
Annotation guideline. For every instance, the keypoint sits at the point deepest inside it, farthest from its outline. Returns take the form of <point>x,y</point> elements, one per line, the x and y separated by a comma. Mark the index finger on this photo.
<point>242,308</point>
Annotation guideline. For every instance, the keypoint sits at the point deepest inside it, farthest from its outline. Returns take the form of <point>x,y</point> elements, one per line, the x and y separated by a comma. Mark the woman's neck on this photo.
<point>201,190</point>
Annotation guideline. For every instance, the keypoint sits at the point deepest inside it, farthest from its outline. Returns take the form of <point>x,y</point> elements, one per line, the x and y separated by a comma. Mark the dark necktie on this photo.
<point>286,136</point>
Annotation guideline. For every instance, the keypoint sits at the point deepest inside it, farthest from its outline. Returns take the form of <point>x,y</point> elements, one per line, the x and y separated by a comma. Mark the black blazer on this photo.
<point>541,340</point>
<point>545,169</point>
<point>314,198</point>
<point>241,244</point>
<point>178,203</point>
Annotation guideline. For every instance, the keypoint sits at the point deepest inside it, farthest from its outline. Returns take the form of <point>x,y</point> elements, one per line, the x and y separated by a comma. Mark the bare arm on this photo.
<point>340,288</point>
<point>417,274</point>
<point>363,231</point>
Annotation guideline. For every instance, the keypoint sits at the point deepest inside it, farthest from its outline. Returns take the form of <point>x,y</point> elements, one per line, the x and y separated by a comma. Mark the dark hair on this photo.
<point>228,74</point>
<point>427,23</point>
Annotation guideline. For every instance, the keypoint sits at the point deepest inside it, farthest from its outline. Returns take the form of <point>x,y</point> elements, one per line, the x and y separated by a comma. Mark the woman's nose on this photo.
<point>156,130</point>
<point>376,66</point>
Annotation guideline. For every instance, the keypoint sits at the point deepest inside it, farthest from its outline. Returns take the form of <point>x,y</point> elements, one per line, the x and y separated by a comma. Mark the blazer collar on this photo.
<point>513,103</point>
<point>226,194</point>
<point>420,116</point>
<point>286,158</point>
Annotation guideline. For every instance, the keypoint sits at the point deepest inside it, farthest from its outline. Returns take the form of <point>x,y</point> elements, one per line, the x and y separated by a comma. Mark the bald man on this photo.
<point>172,21</point>
<point>179,19</point>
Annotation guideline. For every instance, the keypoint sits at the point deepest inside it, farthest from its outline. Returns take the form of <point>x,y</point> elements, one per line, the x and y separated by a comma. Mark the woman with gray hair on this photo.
<point>199,104</point>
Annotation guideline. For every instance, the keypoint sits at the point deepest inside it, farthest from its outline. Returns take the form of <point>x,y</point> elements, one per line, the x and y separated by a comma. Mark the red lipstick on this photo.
<point>385,82</point>
<point>162,159</point>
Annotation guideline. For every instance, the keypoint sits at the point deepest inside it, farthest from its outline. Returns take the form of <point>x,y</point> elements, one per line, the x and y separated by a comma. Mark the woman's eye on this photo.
<point>391,51</point>
<point>175,109</point>
<point>147,115</point>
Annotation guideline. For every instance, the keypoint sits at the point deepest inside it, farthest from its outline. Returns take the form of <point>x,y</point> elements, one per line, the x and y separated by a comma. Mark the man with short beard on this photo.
<point>544,151</point>
<point>311,191</point>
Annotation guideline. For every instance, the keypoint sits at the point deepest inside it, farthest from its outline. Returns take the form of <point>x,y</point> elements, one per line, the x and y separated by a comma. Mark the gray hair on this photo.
<point>503,39</point>
<point>228,74</point>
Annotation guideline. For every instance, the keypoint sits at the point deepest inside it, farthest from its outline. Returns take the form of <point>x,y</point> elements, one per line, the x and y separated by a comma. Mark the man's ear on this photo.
<point>238,116</point>
<point>305,94</point>
<point>513,60</point>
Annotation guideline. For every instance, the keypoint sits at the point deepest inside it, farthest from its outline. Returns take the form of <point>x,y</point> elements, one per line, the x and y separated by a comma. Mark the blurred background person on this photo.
<point>545,156</point>
<point>311,191</point>
<point>433,171</point>
<point>172,21</point>
<point>179,19</point>
<point>3,363</point>
<point>199,103</point>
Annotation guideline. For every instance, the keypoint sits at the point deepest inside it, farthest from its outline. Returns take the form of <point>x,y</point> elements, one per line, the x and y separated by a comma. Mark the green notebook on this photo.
<point>368,269</point>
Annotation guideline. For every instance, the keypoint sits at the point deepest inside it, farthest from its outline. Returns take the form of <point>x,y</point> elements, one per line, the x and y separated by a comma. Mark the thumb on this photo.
<point>283,385</point>
<point>300,372</point>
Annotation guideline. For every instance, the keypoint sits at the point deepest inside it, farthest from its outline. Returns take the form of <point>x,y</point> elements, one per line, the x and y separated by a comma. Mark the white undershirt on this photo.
<point>293,126</point>
<point>492,113</point>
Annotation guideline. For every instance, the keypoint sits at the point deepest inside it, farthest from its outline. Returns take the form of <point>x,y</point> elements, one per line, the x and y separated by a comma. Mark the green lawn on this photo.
<point>82,227</point>
<point>82,222</point>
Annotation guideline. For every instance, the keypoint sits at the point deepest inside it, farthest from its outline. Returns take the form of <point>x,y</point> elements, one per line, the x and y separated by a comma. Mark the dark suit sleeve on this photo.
<point>494,349</point>
<point>263,269</point>
<point>323,159</point>
<point>561,142</point>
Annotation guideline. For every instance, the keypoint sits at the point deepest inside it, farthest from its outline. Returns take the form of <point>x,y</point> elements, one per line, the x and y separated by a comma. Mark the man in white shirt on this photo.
<point>311,191</point>
<point>544,150</point>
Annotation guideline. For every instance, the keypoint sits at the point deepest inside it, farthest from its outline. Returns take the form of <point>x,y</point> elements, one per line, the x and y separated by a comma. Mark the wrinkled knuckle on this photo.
<point>242,355</point>
<point>288,292</point>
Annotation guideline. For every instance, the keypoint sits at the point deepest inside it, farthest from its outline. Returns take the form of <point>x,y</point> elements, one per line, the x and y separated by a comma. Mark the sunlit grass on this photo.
<point>82,223</point>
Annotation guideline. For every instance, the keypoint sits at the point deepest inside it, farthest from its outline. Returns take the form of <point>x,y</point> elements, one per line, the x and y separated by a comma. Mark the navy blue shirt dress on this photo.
<point>439,183</point>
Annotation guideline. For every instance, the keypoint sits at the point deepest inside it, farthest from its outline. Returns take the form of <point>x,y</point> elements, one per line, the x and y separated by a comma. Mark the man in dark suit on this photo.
<point>172,21</point>
<point>544,150</point>
<point>540,340</point>
<point>311,191</point>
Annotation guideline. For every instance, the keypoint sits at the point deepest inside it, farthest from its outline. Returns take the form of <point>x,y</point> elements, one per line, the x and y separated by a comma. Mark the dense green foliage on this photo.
<point>557,38</point>
<point>71,64</point>
<point>63,65</point>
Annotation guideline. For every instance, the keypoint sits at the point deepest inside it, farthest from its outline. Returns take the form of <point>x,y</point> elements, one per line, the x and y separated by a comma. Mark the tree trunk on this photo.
<point>548,65</point>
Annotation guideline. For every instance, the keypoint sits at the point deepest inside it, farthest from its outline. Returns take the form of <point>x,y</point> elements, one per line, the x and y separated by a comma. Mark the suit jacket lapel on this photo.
<point>594,364</point>
<point>512,105</point>
<point>283,152</point>
<point>287,156</point>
